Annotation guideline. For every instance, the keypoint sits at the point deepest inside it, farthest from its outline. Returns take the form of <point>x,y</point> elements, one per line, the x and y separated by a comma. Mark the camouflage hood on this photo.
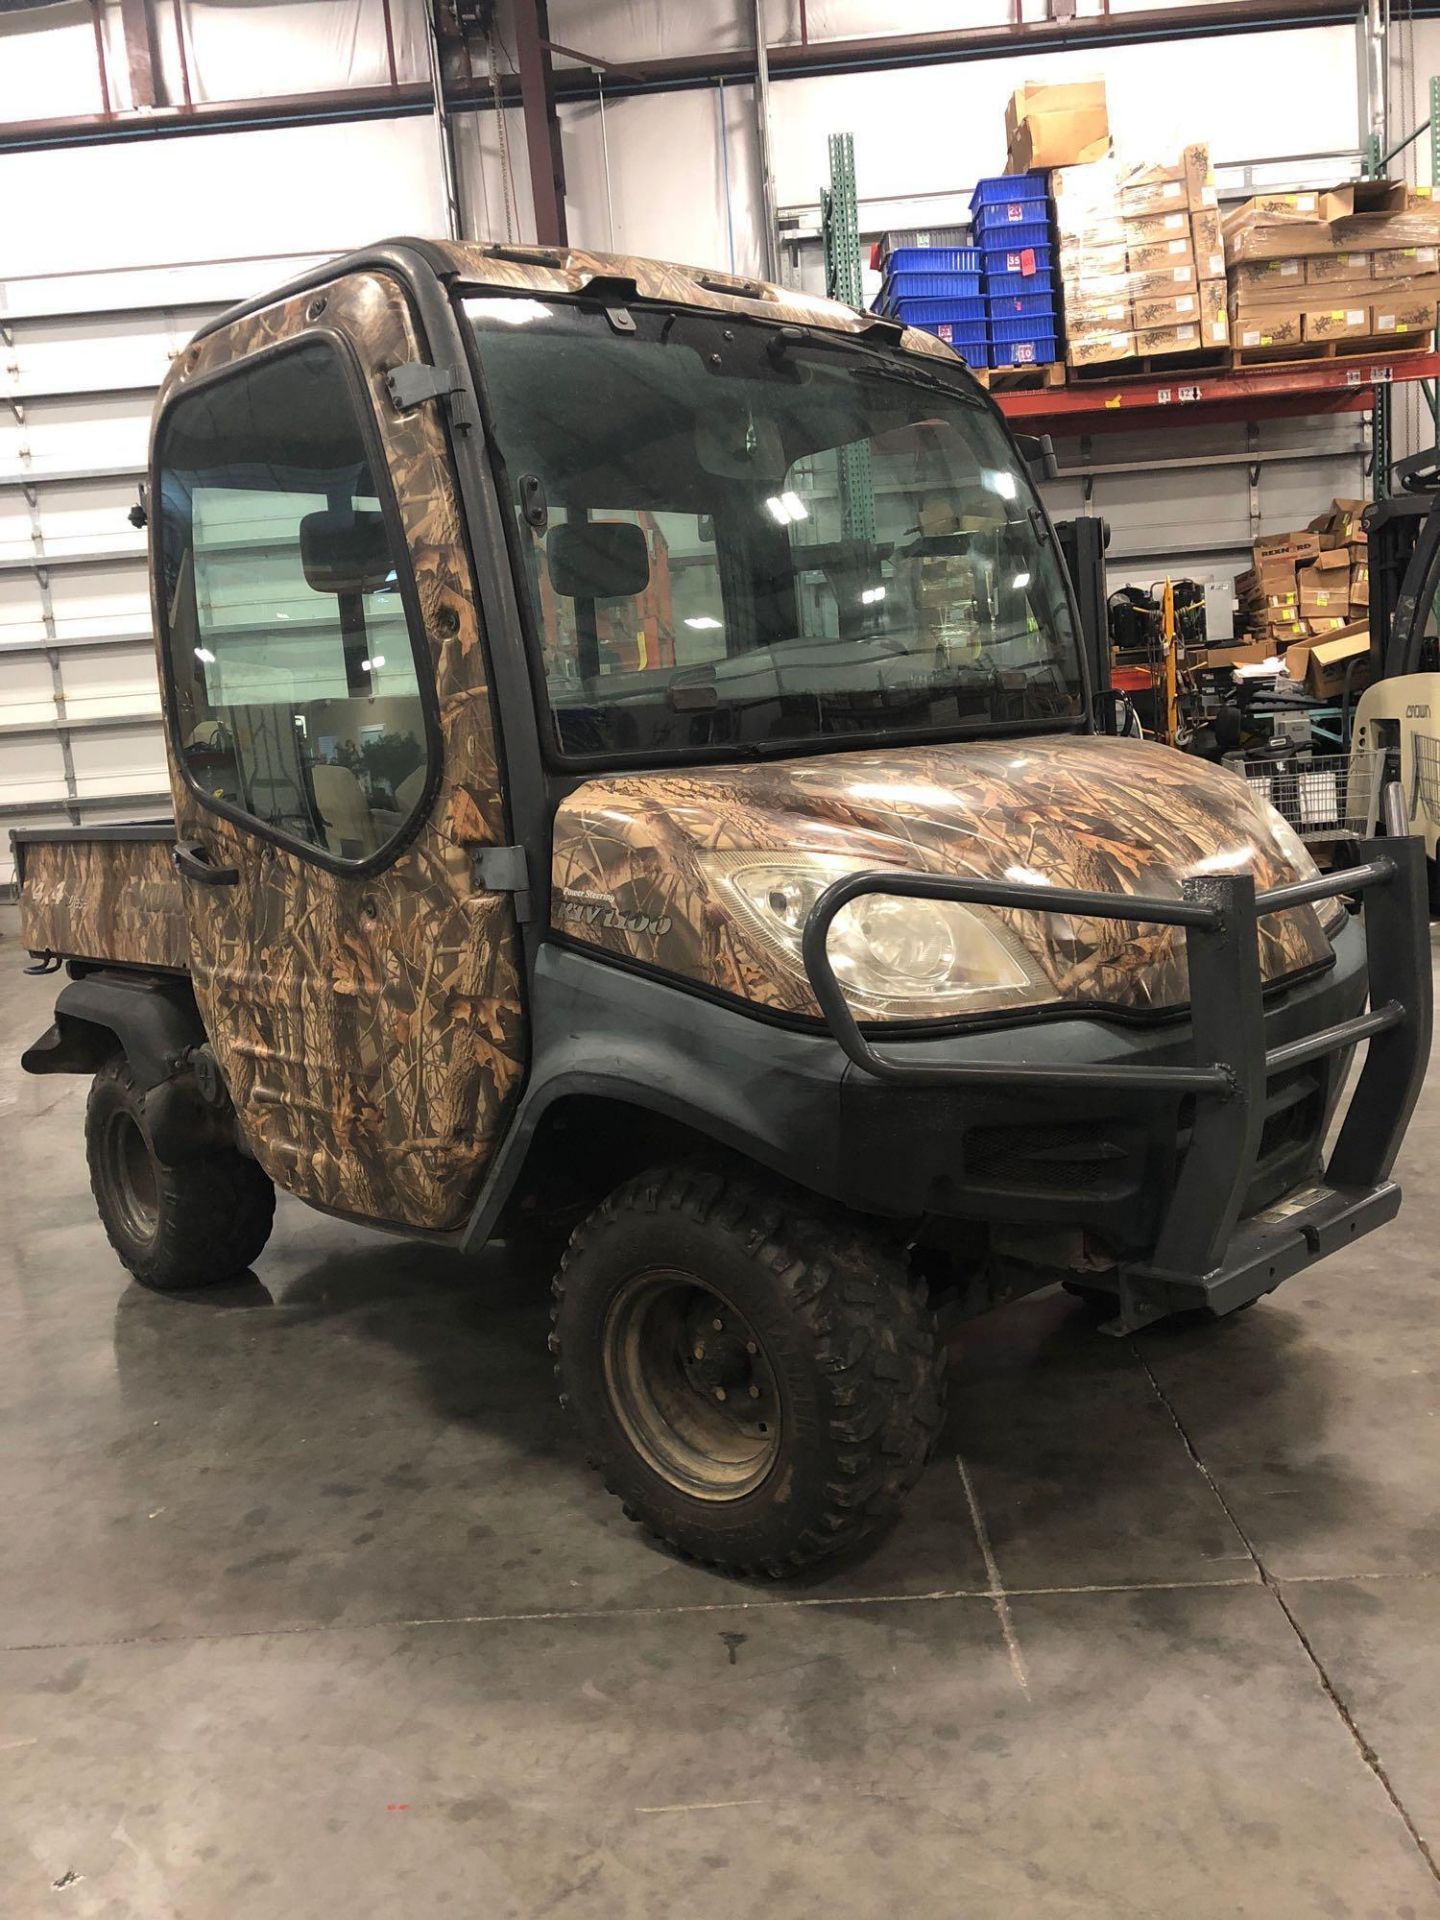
<point>633,875</point>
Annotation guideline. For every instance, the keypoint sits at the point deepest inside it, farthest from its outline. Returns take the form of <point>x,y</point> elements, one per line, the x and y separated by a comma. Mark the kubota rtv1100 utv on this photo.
<point>633,764</point>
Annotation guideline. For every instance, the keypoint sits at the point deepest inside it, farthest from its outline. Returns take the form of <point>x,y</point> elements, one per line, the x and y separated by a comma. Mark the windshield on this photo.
<point>738,539</point>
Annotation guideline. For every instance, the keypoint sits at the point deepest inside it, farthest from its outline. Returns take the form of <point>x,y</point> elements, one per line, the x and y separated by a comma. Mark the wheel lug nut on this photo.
<point>754,1393</point>
<point>699,1350</point>
<point>751,1347</point>
<point>718,1325</point>
<point>719,1393</point>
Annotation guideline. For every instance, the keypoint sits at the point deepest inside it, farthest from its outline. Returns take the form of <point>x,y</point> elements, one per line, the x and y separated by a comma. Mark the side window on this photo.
<point>297,699</point>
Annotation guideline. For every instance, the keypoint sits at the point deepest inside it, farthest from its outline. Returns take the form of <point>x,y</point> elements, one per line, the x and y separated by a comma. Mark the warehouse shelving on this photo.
<point>1209,395</point>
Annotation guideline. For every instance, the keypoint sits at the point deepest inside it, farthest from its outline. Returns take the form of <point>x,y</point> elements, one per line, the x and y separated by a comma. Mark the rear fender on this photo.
<point>156,1025</point>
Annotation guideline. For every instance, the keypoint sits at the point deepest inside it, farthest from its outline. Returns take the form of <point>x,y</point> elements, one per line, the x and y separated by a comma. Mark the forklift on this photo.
<point>1398,714</point>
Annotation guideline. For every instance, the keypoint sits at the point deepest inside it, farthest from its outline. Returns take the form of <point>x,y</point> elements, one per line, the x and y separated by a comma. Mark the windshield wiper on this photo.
<point>886,366</point>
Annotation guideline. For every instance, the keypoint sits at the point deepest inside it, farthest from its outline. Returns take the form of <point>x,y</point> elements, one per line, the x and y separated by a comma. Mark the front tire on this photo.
<point>191,1225</point>
<point>761,1387</point>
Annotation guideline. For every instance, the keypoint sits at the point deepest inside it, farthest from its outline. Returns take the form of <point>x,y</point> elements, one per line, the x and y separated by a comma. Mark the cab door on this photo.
<point>334,759</point>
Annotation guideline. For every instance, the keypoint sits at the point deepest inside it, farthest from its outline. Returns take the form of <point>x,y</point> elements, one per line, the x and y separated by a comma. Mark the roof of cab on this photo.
<point>573,270</point>
<point>560,270</point>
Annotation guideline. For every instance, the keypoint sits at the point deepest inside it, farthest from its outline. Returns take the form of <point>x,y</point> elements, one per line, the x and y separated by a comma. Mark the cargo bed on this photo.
<point>108,894</point>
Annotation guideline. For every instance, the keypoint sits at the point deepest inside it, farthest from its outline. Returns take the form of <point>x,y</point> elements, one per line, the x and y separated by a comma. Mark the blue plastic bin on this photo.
<point>1006,262</point>
<point>1000,240</point>
<point>1027,328</point>
<point>1006,188</point>
<point>1022,307</point>
<point>929,313</point>
<point>932,286</point>
<point>933,260</point>
<point>1037,350</point>
<point>1042,280</point>
<point>969,342</point>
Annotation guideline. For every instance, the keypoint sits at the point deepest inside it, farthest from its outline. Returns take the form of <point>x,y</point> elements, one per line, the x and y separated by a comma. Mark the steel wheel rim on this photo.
<point>132,1166</point>
<point>698,1400</point>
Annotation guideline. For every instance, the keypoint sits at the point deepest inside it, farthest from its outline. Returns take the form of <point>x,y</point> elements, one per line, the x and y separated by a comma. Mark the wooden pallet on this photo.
<point>1021,379</point>
<point>1147,366</point>
<point>1330,350</point>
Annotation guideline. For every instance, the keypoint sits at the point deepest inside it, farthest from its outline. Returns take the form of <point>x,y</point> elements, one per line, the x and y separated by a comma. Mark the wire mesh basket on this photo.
<point>1325,797</point>
<point>1427,773</point>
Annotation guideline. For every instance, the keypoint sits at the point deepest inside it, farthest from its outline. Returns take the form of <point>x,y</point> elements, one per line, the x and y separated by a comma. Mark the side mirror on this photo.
<point>345,552</point>
<point>1038,454</point>
<point>598,560</point>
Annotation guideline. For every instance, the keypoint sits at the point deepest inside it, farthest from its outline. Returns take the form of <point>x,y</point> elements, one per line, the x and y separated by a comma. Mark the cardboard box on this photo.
<point>1249,653</point>
<point>1403,313</point>
<point>1190,169</point>
<point>1145,229</point>
<point>1146,283</point>
<point>1181,339</point>
<point>1280,243</point>
<point>1095,350</point>
<point>1210,266</point>
<point>1098,234</point>
<point>1326,669</point>
<point>1331,559</point>
<point>1268,276</point>
<point>1098,316</point>
<point>1090,263</point>
<point>1084,194</point>
<point>1270,579</point>
<point>1153,255</point>
<point>1324,591</point>
<point>1404,263</point>
<point>1311,209</point>
<point>1169,310</point>
<point>1298,546</point>
<point>1324,268</point>
<point>1205,233</point>
<point>1153,197</point>
<point>1279,329</point>
<point>1297,659</point>
<point>1056,125</point>
<point>1199,179</point>
<point>1360,585</point>
<point>1335,323</point>
<point>1152,173</point>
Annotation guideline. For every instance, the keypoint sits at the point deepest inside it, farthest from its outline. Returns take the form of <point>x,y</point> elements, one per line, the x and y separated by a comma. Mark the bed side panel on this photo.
<point>116,900</point>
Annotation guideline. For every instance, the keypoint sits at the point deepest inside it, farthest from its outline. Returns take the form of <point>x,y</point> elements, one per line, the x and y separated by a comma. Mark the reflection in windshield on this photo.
<point>737,539</point>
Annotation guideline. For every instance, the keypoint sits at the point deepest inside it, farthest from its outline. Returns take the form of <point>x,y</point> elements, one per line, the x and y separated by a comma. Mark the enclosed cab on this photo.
<point>635,780</point>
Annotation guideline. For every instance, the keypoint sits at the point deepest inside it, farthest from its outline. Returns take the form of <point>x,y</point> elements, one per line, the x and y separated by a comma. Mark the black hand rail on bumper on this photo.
<point>1203,1254</point>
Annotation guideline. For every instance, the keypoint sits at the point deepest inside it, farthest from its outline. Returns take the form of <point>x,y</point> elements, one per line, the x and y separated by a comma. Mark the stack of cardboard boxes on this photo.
<point>1306,597</point>
<point>1141,260</point>
<point>1358,262</point>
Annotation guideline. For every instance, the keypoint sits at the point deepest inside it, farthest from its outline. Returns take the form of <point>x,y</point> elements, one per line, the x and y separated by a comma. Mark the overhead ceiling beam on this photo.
<point>542,126</point>
<point>139,52</point>
<point>874,53</point>
<point>787,62</point>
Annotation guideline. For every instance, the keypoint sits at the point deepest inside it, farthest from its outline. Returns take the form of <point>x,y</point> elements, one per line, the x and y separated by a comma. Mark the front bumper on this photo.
<point>1177,1153</point>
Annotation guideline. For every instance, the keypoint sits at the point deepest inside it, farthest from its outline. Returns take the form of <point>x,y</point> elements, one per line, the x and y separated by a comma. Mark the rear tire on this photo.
<point>191,1225</point>
<point>760,1387</point>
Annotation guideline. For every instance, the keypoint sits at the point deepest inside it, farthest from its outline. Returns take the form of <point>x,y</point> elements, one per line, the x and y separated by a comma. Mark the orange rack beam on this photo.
<point>1178,398</point>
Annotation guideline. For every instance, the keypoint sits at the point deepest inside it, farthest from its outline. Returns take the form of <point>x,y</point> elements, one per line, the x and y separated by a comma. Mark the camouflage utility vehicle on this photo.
<point>634,767</point>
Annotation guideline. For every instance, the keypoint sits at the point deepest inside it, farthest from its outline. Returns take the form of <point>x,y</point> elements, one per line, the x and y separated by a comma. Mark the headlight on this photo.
<point>1333,912</point>
<point>895,958</point>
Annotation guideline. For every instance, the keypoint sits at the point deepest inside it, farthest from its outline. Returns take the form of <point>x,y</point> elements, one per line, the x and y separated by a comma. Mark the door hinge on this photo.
<point>412,384</point>
<point>504,870</point>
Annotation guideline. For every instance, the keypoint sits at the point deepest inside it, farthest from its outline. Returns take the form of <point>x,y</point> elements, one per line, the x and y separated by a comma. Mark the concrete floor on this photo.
<point>308,1606</point>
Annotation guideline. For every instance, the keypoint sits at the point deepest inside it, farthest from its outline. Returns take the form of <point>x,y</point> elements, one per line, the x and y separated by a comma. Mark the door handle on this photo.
<point>194,862</point>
